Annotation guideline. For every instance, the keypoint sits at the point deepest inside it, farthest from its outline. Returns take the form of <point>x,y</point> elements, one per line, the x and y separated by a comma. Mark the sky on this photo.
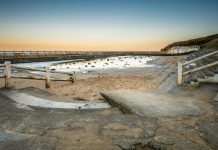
<point>103,24</point>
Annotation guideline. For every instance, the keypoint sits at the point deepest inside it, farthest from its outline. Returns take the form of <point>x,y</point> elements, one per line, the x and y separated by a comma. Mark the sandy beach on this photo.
<point>38,126</point>
<point>88,85</point>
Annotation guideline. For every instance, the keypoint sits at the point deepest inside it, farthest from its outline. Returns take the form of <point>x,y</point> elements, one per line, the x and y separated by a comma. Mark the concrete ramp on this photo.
<point>29,100</point>
<point>153,104</point>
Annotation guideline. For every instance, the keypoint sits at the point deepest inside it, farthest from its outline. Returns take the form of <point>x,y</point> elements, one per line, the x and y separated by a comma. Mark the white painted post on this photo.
<point>7,74</point>
<point>47,77</point>
<point>179,73</point>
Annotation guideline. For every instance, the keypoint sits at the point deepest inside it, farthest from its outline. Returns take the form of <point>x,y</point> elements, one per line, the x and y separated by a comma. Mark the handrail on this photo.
<point>200,68</point>
<point>181,65</point>
<point>196,59</point>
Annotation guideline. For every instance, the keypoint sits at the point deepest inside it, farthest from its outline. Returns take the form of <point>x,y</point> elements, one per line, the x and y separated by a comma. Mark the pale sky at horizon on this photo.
<point>103,24</point>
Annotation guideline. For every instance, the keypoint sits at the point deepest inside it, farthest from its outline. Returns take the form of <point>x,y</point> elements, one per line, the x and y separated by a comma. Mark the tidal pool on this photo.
<point>118,62</point>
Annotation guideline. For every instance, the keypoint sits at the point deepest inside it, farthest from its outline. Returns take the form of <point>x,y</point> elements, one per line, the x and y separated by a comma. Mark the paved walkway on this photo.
<point>152,104</point>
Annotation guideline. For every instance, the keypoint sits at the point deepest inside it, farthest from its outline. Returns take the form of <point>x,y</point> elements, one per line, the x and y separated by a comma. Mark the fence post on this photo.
<point>47,77</point>
<point>179,73</point>
<point>72,77</point>
<point>7,74</point>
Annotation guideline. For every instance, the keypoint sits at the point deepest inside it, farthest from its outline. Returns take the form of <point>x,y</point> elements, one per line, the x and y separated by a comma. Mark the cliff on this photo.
<point>208,42</point>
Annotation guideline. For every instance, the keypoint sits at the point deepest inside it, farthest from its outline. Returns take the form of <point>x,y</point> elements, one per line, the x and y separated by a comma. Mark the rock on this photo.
<point>157,146</point>
<point>128,144</point>
<point>186,145</point>
<point>80,99</point>
<point>145,142</point>
<point>34,143</point>
<point>208,128</point>
<point>216,98</point>
<point>164,139</point>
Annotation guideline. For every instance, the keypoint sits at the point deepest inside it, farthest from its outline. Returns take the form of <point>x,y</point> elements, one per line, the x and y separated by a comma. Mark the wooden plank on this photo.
<point>2,76</point>
<point>47,77</point>
<point>56,79</point>
<point>180,68</point>
<point>28,77</point>
<point>7,74</point>
<point>199,58</point>
<point>69,73</point>
<point>38,78</point>
<point>27,68</point>
<point>200,68</point>
<point>207,80</point>
<point>2,65</point>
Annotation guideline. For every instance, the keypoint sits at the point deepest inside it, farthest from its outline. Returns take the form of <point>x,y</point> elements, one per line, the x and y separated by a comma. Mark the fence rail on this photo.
<point>181,65</point>
<point>7,67</point>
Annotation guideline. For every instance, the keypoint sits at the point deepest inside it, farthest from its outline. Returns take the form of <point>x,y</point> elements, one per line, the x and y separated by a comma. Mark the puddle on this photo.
<point>118,62</point>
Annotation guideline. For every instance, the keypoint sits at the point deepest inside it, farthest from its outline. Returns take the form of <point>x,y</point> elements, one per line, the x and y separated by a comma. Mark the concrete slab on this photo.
<point>6,135</point>
<point>29,100</point>
<point>153,104</point>
<point>208,129</point>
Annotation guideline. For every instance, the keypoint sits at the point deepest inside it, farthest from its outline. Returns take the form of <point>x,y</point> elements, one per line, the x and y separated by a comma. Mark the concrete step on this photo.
<point>208,72</point>
<point>203,75</point>
<point>149,104</point>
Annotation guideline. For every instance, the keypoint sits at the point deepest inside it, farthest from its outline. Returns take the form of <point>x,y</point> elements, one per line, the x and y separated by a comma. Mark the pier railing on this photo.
<point>35,53</point>
<point>7,69</point>
<point>181,74</point>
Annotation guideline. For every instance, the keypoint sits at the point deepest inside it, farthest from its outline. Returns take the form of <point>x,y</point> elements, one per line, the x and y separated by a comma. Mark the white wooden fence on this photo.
<point>181,65</point>
<point>7,67</point>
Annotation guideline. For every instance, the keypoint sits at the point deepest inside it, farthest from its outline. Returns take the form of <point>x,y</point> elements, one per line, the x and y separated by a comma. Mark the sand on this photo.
<point>107,128</point>
<point>88,86</point>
